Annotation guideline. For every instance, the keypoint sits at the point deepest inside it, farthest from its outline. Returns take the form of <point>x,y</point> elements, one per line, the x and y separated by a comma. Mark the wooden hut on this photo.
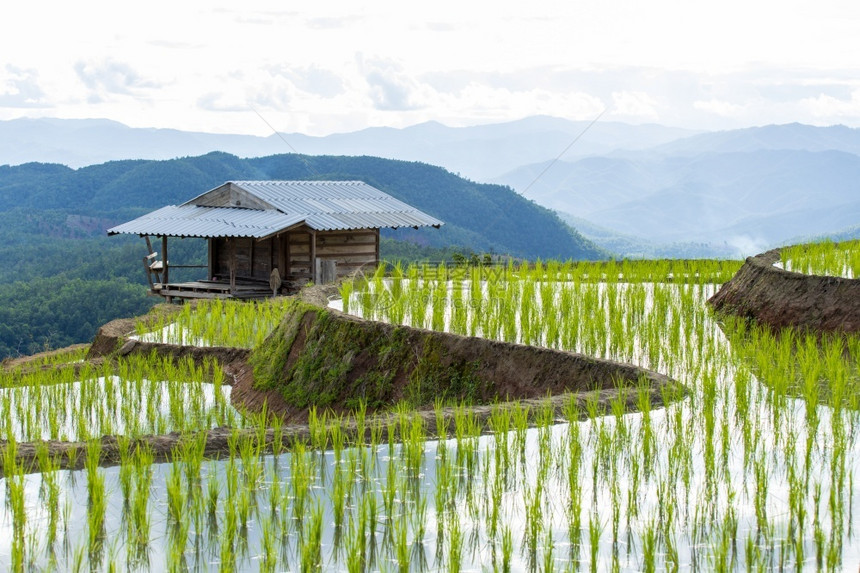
<point>268,236</point>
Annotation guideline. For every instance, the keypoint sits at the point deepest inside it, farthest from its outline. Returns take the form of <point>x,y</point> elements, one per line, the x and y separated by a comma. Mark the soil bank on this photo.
<point>781,299</point>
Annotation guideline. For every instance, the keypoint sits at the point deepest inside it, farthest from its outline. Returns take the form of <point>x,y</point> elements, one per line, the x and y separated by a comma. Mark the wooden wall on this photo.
<point>291,253</point>
<point>253,258</point>
<point>350,249</point>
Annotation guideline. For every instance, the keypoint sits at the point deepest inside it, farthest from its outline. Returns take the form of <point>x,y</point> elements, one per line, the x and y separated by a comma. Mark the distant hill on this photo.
<point>477,152</point>
<point>795,136</point>
<point>481,217</point>
<point>749,199</point>
<point>630,246</point>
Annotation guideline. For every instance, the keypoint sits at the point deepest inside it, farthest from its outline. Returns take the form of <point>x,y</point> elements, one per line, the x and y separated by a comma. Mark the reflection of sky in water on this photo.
<point>698,508</point>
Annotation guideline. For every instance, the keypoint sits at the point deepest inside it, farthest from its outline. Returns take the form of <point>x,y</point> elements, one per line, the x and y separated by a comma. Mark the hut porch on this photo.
<point>251,268</point>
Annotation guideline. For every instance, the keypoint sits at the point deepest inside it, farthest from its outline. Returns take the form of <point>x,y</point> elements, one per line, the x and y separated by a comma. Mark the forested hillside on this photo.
<point>63,277</point>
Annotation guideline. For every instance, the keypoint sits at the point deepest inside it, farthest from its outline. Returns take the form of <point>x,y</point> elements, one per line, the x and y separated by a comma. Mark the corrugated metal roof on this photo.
<point>322,205</point>
<point>330,205</point>
<point>194,221</point>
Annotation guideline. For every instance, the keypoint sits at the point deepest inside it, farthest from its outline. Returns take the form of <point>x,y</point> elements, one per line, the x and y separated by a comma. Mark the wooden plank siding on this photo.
<point>230,195</point>
<point>291,253</point>
<point>350,249</point>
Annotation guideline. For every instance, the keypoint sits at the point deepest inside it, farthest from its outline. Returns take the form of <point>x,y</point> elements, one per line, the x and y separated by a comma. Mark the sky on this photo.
<point>340,65</point>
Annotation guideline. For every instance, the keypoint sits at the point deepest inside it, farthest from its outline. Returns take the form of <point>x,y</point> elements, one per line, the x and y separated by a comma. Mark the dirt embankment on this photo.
<point>781,299</point>
<point>326,359</point>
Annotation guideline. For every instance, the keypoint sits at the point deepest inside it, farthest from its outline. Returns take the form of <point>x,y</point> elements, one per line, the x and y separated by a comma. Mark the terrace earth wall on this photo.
<point>780,298</point>
<point>324,358</point>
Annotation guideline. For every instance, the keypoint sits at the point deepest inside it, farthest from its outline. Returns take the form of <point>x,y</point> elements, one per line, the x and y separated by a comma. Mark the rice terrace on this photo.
<point>540,416</point>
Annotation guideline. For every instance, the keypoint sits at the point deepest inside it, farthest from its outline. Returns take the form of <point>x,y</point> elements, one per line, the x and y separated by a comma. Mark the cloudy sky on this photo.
<point>342,65</point>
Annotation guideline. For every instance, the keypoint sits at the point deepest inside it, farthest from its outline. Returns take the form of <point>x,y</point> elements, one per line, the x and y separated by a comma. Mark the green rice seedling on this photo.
<point>444,492</point>
<point>419,299</point>
<point>397,302</point>
<point>649,547</point>
<point>49,492</point>
<point>318,429</point>
<point>402,551</point>
<point>762,478</point>
<point>96,500</point>
<point>339,490</point>
<point>439,298</point>
<point>372,513</point>
<point>175,494</point>
<point>389,494</point>
<point>520,418</point>
<point>356,540</point>
<point>16,501</point>
<point>455,545</point>
<point>616,509</point>
<point>419,519</point>
<point>311,549</point>
<point>414,435</point>
<point>646,430</point>
<point>227,553</point>
<point>213,490</point>
<point>548,556</point>
<point>301,478</point>
<point>493,506</point>
<point>534,520</point>
<point>594,531</point>
<point>252,466</point>
<point>346,290</point>
<point>269,552</point>
<point>138,531</point>
<point>823,258</point>
<point>178,540</point>
<point>507,548</point>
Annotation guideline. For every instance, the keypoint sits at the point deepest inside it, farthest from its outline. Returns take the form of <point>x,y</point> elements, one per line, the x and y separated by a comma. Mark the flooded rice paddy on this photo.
<point>754,470</point>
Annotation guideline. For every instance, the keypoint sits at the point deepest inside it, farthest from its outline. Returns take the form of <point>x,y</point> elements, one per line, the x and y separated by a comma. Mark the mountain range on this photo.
<point>633,189</point>
<point>750,200</point>
<point>477,152</point>
<point>478,216</point>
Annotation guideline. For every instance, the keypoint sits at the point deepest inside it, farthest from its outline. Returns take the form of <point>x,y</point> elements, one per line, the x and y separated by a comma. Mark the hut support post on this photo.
<point>376,238</point>
<point>314,277</point>
<point>164,270</point>
<point>213,257</point>
<point>232,243</point>
<point>287,269</point>
<point>147,263</point>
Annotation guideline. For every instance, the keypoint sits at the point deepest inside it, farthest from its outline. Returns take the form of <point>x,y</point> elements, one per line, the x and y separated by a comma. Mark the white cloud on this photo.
<point>20,88</point>
<point>107,77</point>
<point>827,107</point>
<point>636,105</point>
<point>719,107</point>
<point>390,88</point>
<point>312,79</point>
<point>338,65</point>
